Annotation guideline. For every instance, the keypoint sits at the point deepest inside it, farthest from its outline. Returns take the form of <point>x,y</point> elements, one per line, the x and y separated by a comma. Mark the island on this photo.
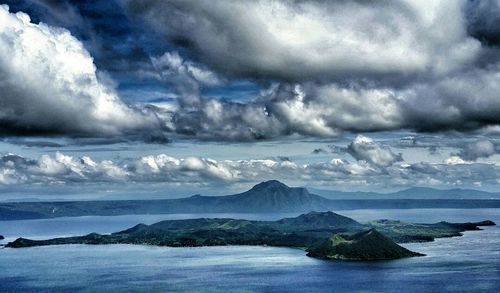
<point>324,235</point>
<point>1,237</point>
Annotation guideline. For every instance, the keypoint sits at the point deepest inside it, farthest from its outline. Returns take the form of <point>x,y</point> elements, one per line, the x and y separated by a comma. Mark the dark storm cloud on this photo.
<point>33,143</point>
<point>116,44</point>
<point>311,40</point>
<point>323,68</point>
<point>319,151</point>
<point>478,149</point>
<point>483,17</point>
<point>410,65</point>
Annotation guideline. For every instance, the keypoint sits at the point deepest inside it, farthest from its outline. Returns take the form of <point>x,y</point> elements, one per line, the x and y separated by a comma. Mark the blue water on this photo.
<point>463,264</point>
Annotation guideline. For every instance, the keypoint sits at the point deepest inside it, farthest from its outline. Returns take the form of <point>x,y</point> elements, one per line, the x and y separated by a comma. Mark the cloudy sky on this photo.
<point>165,98</point>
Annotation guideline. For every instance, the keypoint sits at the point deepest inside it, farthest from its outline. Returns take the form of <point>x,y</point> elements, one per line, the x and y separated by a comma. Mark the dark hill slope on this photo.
<point>321,221</point>
<point>365,245</point>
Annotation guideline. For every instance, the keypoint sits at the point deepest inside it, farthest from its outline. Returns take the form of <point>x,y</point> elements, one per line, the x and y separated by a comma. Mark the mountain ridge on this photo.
<point>266,197</point>
<point>275,196</point>
<point>410,193</point>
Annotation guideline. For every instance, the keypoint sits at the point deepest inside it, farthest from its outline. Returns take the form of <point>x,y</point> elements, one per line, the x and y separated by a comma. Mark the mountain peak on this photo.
<point>270,184</point>
<point>323,220</point>
<point>274,196</point>
<point>364,245</point>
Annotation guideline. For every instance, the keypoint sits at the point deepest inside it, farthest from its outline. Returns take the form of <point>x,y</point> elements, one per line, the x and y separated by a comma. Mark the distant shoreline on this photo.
<point>57,209</point>
<point>266,197</point>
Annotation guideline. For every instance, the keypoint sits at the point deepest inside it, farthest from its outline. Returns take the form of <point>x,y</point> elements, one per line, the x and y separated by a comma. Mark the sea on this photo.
<point>470,263</point>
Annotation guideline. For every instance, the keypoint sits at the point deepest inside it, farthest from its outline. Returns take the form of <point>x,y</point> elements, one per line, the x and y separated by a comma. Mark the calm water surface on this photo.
<point>464,264</point>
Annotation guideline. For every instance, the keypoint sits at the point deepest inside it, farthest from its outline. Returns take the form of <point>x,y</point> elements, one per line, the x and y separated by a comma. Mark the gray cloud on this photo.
<point>301,40</point>
<point>363,148</point>
<point>319,151</point>
<point>325,67</point>
<point>187,77</point>
<point>483,18</point>
<point>463,102</point>
<point>281,110</point>
<point>422,70</point>
<point>475,150</point>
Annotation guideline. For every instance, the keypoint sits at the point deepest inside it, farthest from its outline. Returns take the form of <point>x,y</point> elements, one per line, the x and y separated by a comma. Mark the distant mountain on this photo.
<point>12,214</point>
<point>410,193</point>
<point>266,197</point>
<point>273,196</point>
<point>456,193</point>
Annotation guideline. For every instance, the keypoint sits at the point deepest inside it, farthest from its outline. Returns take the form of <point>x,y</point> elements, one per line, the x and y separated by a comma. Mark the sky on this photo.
<point>168,98</point>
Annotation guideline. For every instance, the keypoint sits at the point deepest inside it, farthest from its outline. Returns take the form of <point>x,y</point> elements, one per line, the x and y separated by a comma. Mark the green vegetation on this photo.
<point>402,232</point>
<point>323,234</point>
<point>365,245</point>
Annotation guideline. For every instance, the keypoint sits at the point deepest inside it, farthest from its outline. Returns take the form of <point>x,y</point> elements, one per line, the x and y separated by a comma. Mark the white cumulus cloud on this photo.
<point>365,149</point>
<point>49,84</point>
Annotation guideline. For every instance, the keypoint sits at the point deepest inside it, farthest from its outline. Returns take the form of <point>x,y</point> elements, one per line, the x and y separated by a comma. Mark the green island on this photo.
<point>324,235</point>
